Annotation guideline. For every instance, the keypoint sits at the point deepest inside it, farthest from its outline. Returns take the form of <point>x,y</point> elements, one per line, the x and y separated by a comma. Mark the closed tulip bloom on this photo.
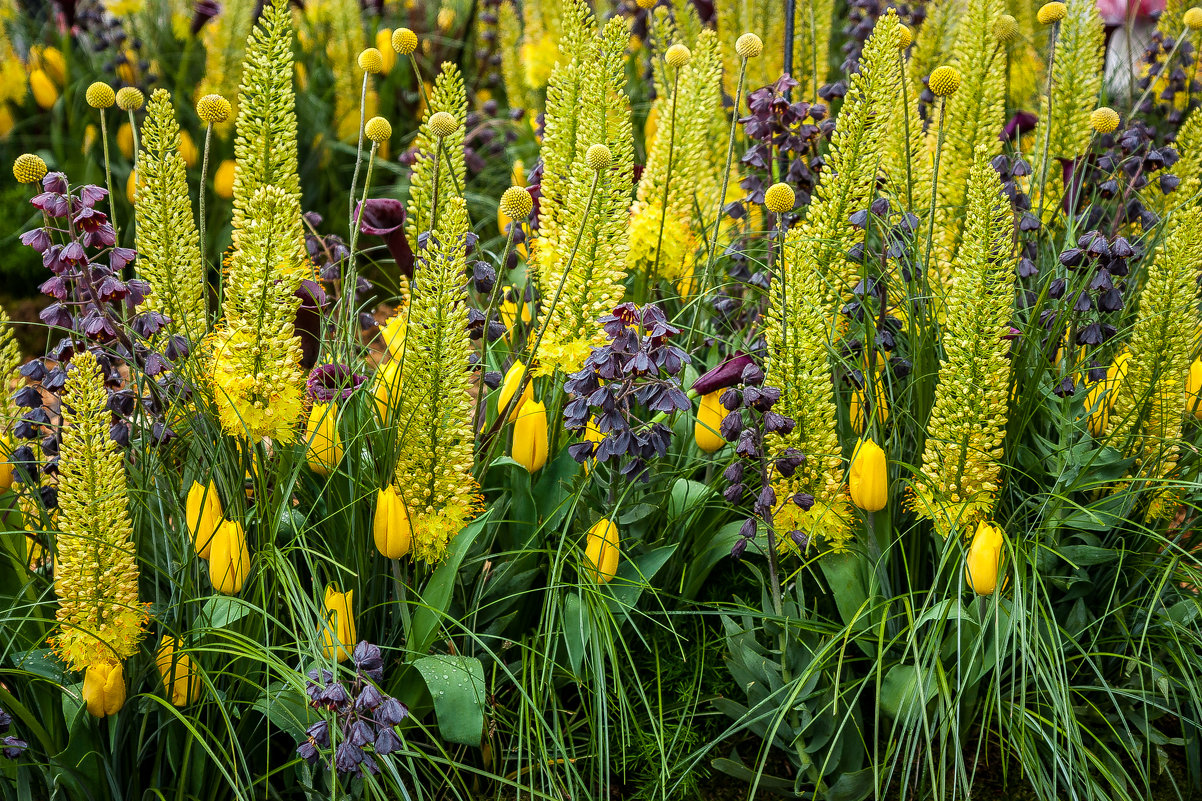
<point>386,387</point>
<point>180,681</point>
<point>530,436</point>
<point>45,93</point>
<point>338,631</point>
<point>321,432</point>
<point>204,515</point>
<point>229,558</point>
<point>509,386</point>
<point>223,179</point>
<point>104,688</point>
<point>601,551</point>
<point>391,528</point>
<point>984,559</point>
<point>6,466</point>
<point>869,477</point>
<point>1193,385</point>
<point>709,419</point>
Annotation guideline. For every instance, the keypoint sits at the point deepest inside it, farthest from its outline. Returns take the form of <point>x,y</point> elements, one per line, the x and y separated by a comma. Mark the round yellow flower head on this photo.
<point>677,56</point>
<point>378,129</point>
<point>1005,29</point>
<point>442,124</point>
<point>404,41</point>
<point>29,168</point>
<point>905,37</point>
<point>371,60</point>
<point>598,157</point>
<point>1051,12</point>
<point>779,198</point>
<point>516,203</point>
<point>944,81</point>
<point>1104,120</point>
<point>749,45</point>
<point>100,95</point>
<point>646,5</point>
<point>129,98</point>
<point>1193,19</point>
<point>213,109</point>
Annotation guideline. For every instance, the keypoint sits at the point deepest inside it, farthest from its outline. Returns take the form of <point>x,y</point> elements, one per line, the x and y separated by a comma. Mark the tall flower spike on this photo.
<point>10,361</point>
<point>592,285</point>
<point>973,118</point>
<point>100,618</point>
<point>448,96</point>
<point>168,245</point>
<point>265,145</point>
<point>1076,81</point>
<point>850,173</point>
<point>1148,406</point>
<point>255,370</point>
<point>961,462</point>
<point>434,463</point>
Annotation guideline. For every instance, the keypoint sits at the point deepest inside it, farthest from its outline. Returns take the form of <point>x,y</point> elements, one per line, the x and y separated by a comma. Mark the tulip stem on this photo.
<point>400,575</point>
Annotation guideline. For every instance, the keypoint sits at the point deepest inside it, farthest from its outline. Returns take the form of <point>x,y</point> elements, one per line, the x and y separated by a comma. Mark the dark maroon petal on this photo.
<point>726,374</point>
<point>385,217</point>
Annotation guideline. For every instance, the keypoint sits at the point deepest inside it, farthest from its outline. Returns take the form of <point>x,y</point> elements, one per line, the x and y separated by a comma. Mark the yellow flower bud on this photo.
<point>29,168</point>
<point>178,673</point>
<point>370,60</point>
<point>213,109</point>
<point>442,124</point>
<point>321,432</point>
<point>779,198</point>
<point>104,688</point>
<point>516,204</point>
<point>1051,12</point>
<point>1005,29</point>
<point>709,418</point>
<point>1193,18</point>
<point>338,631</point>
<point>404,41</point>
<point>390,527</point>
<point>223,179</point>
<point>646,5</point>
<point>378,129</point>
<point>100,95</point>
<point>530,436</point>
<point>204,515</point>
<point>598,157</point>
<point>944,81</point>
<point>905,37</point>
<point>229,558</point>
<point>749,46</point>
<point>868,477</point>
<point>677,56</point>
<point>45,93</point>
<point>1193,386</point>
<point>130,98</point>
<point>880,405</point>
<point>386,388</point>
<point>601,551</point>
<point>509,386</point>
<point>131,187</point>
<point>1104,120</point>
<point>984,559</point>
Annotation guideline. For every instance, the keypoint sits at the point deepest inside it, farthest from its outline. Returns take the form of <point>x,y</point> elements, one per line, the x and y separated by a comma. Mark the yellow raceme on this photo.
<point>709,419</point>
<point>868,477</point>
<point>601,551</point>
<point>104,688</point>
<point>338,630</point>
<point>391,528</point>
<point>530,436</point>
<point>229,558</point>
<point>180,681</point>
<point>984,560</point>
<point>204,515</point>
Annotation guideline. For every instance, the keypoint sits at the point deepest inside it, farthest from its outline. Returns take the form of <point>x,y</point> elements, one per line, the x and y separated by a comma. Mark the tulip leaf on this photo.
<point>686,495</point>
<point>576,630</point>
<point>709,555</point>
<point>221,611</point>
<point>436,597</point>
<point>456,684</point>
<point>287,709</point>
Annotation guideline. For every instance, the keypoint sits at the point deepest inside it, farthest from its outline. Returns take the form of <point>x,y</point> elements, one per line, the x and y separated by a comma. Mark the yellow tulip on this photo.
<point>1193,386</point>
<point>391,528</point>
<point>869,477</point>
<point>338,631</point>
<point>179,680</point>
<point>54,64</point>
<point>1100,399</point>
<point>6,120</point>
<point>125,140</point>
<point>601,551</point>
<point>386,388</point>
<point>131,187</point>
<point>530,436</point>
<point>229,558</point>
<point>223,179</point>
<point>384,45</point>
<point>591,434</point>
<point>104,688</point>
<point>321,432</point>
<point>204,515</point>
<point>187,149</point>
<point>509,386</point>
<point>45,94</point>
<point>509,309</point>
<point>984,559</point>
<point>6,467</point>
<point>709,419</point>
<point>880,407</point>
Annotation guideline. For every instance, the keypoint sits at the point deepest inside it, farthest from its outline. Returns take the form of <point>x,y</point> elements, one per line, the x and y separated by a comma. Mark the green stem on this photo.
<point>663,212</point>
<point>108,177</point>
<point>350,212</point>
<point>204,171</point>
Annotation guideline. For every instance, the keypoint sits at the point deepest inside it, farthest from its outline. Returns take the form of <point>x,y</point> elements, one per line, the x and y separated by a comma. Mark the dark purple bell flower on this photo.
<point>726,374</point>
<point>385,217</point>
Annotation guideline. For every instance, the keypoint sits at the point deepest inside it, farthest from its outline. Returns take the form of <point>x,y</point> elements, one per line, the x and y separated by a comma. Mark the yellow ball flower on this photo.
<point>338,637</point>
<point>906,37</point>
<point>598,157</point>
<point>100,95</point>
<point>601,551</point>
<point>677,56</point>
<point>530,436</point>
<point>1193,19</point>
<point>378,129</point>
<point>129,98</point>
<point>1104,120</point>
<point>944,81</point>
<point>370,60</point>
<point>1005,29</point>
<point>1051,12</point>
<point>104,689</point>
<point>229,558</point>
<point>223,179</point>
<point>646,5</point>
<point>709,420</point>
<point>213,109</point>
<point>29,168</point>
<point>204,515</point>
<point>868,477</point>
<point>984,560</point>
<point>404,41</point>
<point>442,124</point>
<point>749,45</point>
<point>516,203</point>
<point>391,528</point>
<point>779,198</point>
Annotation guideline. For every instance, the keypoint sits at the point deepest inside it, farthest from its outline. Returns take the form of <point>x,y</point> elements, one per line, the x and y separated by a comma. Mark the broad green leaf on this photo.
<point>437,596</point>
<point>456,683</point>
<point>221,611</point>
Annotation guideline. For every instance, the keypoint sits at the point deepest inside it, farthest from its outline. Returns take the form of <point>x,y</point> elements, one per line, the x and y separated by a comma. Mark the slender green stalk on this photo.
<point>350,212</point>
<point>108,176</point>
<point>351,276</point>
<point>204,172</point>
